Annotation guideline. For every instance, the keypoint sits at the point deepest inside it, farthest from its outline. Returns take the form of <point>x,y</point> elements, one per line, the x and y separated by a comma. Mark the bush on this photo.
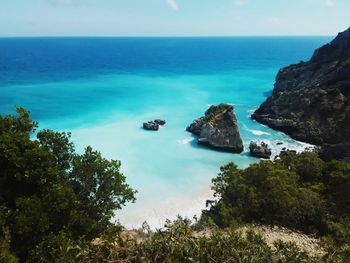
<point>295,190</point>
<point>178,242</point>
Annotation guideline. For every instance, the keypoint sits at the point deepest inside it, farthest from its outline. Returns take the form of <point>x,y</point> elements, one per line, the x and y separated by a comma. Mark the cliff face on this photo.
<point>311,100</point>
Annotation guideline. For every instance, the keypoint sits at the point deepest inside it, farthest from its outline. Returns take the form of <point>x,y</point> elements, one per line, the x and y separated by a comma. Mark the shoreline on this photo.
<point>188,208</point>
<point>157,216</point>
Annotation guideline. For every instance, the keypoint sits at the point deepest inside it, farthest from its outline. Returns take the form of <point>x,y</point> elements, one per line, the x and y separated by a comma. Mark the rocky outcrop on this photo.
<point>311,100</point>
<point>218,129</point>
<point>160,122</point>
<point>260,151</point>
<point>153,125</point>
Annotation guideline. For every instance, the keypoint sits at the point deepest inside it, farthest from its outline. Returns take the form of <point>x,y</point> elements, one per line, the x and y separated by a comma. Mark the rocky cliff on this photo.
<point>218,129</point>
<point>311,100</point>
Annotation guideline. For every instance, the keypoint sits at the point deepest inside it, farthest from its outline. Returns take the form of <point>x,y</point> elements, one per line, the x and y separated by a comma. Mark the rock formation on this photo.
<point>260,151</point>
<point>218,129</point>
<point>310,100</point>
<point>160,122</point>
<point>153,125</point>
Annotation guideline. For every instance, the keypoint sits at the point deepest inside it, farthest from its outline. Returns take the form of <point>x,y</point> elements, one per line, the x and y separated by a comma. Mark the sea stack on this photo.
<point>311,100</point>
<point>261,151</point>
<point>218,129</point>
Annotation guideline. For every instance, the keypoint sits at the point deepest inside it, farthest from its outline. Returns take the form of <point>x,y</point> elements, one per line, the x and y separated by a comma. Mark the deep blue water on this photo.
<point>32,60</point>
<point>102,89</point>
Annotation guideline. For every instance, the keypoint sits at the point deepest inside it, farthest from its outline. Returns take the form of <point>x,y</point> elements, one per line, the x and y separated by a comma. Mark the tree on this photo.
<point>47,190</point>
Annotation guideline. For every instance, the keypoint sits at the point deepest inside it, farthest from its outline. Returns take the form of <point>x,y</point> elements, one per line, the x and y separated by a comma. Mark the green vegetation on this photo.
<point>298,191</point>
<point>178,242</point>
<point>56,206</point>
<point>49,194</point>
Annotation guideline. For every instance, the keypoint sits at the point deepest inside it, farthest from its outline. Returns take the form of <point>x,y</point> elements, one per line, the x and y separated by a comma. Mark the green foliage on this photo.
<point>295,190</point>
<point>59,248</point>
<point>51,195</point>
<point>178,242</point>
<point>95,182</point>
<point>5,252</point>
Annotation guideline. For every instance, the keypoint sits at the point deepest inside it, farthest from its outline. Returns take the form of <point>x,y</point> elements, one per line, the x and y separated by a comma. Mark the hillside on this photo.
<point>310,100</point>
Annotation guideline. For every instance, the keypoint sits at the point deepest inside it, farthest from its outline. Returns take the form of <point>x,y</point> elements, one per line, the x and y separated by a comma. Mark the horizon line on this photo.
<point>156,36</point>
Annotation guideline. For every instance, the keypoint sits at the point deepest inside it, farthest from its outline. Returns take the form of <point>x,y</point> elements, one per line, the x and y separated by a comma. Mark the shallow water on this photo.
<point>103,89</point>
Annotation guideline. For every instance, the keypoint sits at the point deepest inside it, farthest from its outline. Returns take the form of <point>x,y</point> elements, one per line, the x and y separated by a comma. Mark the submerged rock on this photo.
<point>261,151</point>
<point>311,100</point>
<point>218,129</point>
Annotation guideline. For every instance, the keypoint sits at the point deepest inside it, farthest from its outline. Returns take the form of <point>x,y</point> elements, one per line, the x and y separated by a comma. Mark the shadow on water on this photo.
<point>267,93</point>
<point>194,143</point>
<point>150,131</point>
<point>246,154</point>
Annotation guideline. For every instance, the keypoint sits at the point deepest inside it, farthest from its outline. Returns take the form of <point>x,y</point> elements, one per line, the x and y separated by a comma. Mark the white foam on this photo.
<point>285,142</point>
<point>259,133</point>
<point>185,140</point>
<point>251,111</point>
<point>289,145</point>
<point>255,132</point>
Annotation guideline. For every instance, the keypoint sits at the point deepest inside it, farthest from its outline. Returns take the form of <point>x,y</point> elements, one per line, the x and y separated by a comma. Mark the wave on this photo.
<point>185,141</point>
<point>256,132</point>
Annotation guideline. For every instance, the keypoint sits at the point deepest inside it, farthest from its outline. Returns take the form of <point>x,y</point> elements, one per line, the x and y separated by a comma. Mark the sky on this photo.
<point>173,17</point>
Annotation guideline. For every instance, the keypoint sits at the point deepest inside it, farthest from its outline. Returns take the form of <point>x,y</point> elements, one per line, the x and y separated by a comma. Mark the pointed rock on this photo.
<point>218,129</point>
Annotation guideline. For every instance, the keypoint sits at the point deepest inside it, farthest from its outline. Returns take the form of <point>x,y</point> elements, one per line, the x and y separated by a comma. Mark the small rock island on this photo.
<point>311,100</point>
<point>261,151</point>
<point>218,129</point>
<point>153,125</point>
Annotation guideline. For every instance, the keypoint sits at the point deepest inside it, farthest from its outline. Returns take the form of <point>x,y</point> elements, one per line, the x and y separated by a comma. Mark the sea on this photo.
<point>101,89</point>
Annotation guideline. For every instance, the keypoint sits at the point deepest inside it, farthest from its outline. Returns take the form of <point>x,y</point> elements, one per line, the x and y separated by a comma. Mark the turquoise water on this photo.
<point>103,89</point>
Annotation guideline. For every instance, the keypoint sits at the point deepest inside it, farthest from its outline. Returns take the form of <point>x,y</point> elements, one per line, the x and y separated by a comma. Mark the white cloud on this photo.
<point>238,18</point>
<point>172,4</point>
<point>62,2</point>
<point>241,2</point>
<point>330,3</point>
<point>274,20</point>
